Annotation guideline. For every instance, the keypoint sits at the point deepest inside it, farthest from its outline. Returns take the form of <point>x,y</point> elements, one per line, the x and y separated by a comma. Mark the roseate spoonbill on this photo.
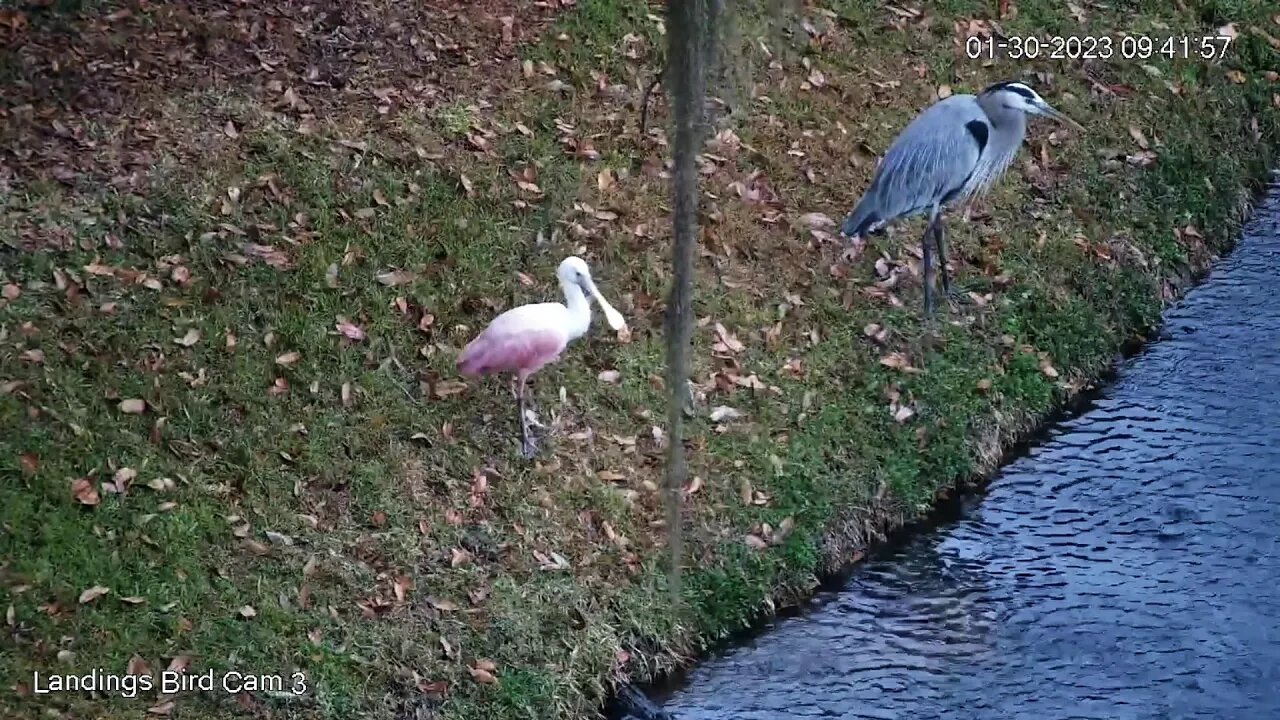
<point>523,339</point>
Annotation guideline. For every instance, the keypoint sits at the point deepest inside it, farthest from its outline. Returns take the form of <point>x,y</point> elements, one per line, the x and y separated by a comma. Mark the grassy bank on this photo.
<point>241,251</point>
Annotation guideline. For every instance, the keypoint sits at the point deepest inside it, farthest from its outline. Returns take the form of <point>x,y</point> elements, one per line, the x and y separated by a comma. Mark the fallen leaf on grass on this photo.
<point>728,343</point>
<point>442,605</point>
<point>898,361</point>
<point>84,492</point>
<point>1139,137</point>
<point>446,388</point>
<point>816,220</point>
<point>349,331</point>
<point>133,406</point>
<point>724,412</point>
<point>875,332</point>
<point>392,278</point>
<point>121,479</point>
<point>554,561</point>
<point>179,663</point>
<point>93,593</point>
<point>191,338</point>
<point>401,587</point>
<point>137,666</point>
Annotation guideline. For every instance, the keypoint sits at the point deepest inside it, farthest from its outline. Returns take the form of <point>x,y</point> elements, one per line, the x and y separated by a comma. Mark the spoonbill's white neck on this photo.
<point>579,309</point>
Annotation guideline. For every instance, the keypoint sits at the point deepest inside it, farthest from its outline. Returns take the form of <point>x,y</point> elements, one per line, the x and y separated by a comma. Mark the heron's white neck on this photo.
<point>579,309</point>
<point>1009,127</point>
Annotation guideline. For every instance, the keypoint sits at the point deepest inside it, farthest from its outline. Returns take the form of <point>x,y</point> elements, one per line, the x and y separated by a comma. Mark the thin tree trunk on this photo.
<point>689,31</point>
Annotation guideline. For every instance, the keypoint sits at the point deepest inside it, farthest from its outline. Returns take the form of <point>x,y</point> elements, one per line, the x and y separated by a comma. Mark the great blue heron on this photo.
<point>953,151</point>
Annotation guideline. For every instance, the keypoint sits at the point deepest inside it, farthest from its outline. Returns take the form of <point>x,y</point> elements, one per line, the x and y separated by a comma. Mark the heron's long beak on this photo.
<point>612,316</point>
<point>1049,111</point>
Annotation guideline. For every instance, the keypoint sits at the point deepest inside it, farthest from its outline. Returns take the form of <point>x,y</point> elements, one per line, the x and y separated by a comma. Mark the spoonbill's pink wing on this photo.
<point>522,339</point>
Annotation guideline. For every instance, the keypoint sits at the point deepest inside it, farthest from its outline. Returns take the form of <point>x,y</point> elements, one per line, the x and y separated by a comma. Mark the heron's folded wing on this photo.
<point>932,158</point>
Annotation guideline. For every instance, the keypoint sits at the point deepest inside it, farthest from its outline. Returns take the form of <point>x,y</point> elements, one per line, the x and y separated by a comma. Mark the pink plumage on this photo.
<point>519,341</point>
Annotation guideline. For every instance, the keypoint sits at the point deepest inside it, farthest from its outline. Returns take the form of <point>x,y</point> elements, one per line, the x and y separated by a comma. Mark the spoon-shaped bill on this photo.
<point>611,316</point>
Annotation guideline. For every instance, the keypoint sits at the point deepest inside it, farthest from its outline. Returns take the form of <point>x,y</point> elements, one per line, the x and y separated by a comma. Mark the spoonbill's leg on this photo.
<point>527,446</point>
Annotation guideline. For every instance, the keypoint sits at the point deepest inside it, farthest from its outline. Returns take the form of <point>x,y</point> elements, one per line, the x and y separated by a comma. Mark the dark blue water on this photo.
<point>1128,568</point>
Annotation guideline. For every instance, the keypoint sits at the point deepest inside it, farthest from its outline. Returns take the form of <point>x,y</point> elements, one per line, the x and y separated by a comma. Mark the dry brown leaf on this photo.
<point>442,605</point>
<point>721,413</point>
<point>445,388</point>
<point>898,361</point>
<point>137,666</point>
<point>1136,133</point>
<point>694,486</point>
<point>189,339</point>
<point>93,593</point>
<point>396,277</point>
<point>349,331</point>
<point>605,180</point>
<point>84,492</point>
<point>133,406</point>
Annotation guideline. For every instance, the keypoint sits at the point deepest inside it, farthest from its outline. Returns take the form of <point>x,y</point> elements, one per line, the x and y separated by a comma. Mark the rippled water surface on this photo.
<point>1127,568</point>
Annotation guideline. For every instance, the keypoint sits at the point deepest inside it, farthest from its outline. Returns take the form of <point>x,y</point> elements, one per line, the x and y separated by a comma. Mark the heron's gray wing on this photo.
<point>930,161</point>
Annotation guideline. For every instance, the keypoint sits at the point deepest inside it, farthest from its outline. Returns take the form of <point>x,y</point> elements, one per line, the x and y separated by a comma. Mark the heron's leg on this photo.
<point>927,248</point>
<point>527,446</point>
<point>941,236</point>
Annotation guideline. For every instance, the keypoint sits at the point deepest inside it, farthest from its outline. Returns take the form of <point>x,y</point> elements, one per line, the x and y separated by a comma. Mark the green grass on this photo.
<point>382,528</point>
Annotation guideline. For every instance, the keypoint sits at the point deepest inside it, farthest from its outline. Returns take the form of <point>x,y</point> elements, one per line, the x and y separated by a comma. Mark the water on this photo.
<point>1128,568</point>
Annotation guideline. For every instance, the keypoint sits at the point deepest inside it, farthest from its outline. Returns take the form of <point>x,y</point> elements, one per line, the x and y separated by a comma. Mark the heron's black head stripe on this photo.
<point>980,133</point>
<point>1011,86</point>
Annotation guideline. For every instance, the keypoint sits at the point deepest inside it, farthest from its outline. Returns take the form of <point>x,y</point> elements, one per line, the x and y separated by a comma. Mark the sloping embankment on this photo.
<point>306,484</point>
